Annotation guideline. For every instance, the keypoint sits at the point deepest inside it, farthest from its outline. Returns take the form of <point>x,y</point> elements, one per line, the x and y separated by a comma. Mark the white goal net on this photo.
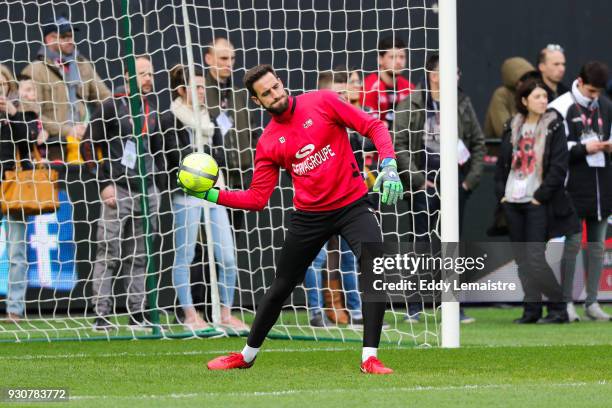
<point>64,66</point>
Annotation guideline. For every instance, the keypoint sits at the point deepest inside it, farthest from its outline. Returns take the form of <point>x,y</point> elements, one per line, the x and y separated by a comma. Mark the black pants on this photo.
<point>527,225</point>
<point>307,232</point>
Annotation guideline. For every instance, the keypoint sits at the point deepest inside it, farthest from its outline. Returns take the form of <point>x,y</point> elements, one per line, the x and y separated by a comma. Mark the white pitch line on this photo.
<point>170,353</point>
<point>417,388</point>
<point>279,350</point>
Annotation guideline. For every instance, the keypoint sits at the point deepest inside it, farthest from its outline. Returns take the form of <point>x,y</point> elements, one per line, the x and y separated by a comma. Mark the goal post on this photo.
<point>449,213</point>
<point>136,106</point>
<point>214,288</point>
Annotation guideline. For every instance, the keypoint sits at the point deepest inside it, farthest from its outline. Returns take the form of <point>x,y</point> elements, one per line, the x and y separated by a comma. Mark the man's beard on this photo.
<point>280,108</point>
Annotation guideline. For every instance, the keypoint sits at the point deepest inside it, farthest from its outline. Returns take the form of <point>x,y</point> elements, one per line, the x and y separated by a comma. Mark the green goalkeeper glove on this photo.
<point>211,195</point>
<point>392,188</point>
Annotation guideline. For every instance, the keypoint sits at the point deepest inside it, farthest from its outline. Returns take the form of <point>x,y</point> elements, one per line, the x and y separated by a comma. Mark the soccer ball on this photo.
<point>198,172</point>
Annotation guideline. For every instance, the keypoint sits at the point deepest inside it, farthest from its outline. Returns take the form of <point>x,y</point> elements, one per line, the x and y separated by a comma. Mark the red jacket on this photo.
<point>376,98</point>
<point>309,140</point>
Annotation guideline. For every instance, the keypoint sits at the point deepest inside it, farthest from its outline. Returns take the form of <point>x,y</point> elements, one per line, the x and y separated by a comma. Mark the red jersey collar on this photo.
<point>288,113</point>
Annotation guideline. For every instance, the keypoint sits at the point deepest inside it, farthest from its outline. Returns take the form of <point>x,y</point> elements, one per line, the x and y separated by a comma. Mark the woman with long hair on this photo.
<point>179,127</point>
<point>531,170</point>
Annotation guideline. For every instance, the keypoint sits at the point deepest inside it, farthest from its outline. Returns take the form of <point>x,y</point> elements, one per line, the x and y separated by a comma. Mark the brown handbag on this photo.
<point>29,192</point>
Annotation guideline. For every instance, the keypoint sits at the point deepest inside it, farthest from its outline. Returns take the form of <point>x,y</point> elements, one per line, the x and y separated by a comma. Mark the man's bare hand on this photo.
<point>607,147</point>
<point>428,184</point>
<point>595,146</point>
<point>7,106</point>
<point>42,137</point>
<point>79,130</point>
<point>108,196</point>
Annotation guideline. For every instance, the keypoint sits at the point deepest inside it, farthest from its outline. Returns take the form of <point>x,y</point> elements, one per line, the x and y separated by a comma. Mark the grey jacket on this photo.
<point>409,128</point>
<point>238,142</point>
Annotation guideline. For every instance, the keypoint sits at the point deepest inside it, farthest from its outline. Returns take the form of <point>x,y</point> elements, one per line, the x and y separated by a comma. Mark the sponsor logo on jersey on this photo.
<point>313,160</point>
<point>304,151</point>
<point>308,124</point>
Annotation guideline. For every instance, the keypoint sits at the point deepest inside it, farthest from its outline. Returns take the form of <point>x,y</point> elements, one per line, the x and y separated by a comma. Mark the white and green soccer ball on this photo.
<point>198,172</point>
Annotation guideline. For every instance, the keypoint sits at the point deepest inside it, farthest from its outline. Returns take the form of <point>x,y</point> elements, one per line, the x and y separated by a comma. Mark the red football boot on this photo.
<point>234,360</point>
<point>373,366</point>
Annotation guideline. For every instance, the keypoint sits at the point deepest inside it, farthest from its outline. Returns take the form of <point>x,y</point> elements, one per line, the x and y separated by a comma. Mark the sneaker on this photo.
<point>102,324</point>
<point>320,320</point>
<point>594,312</point>
<point>571,312</point>
<point>229,362</point>
<point>465,319</point>
<point>373,366</point>
<point>138,321</point>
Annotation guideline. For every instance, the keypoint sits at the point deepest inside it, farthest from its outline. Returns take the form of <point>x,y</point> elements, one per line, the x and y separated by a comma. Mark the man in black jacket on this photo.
<point>112,137</point>
<point>587,123</point>
<point>417,143</point>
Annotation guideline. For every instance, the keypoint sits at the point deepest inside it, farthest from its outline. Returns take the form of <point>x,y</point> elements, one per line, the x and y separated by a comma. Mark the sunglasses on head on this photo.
<point>554,47</point>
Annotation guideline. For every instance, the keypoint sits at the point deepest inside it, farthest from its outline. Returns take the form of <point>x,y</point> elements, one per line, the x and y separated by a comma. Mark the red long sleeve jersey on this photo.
<point>309,140</point>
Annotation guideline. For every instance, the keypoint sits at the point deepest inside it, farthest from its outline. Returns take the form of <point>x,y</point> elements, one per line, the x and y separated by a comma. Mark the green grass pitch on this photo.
<point>499,364</point>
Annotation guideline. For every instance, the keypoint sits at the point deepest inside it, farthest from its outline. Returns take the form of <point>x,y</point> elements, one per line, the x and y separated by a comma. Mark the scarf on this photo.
<point>67,66</point>
<point>185,114</point>
<point>581,99</point>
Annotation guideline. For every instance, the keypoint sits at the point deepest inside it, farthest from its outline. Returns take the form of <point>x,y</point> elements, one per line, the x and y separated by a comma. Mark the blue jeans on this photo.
<point>18,265</point>
<point>348,272</point>
<point>187,220</point>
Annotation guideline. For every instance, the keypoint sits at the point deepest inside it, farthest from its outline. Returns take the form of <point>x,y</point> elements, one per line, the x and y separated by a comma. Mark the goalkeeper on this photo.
<point>307,137</point>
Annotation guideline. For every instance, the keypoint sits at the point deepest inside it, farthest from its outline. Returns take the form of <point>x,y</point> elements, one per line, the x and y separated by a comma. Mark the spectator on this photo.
<point>28,104</point>
<point>178,126</point>
<point>355,87</point>
<point>529,178</point>
<point>502,105</point>
<point>228,106</point>
<point>112,136</point>
<point>347,285</point>
<point>64,112</point>
<point>385,89</point>
<point>417,141</point>
<point>587,124</point>
<point>363,147</point>
<point>19,136</point>
<point>337,81</point>
<point>551,65</point>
